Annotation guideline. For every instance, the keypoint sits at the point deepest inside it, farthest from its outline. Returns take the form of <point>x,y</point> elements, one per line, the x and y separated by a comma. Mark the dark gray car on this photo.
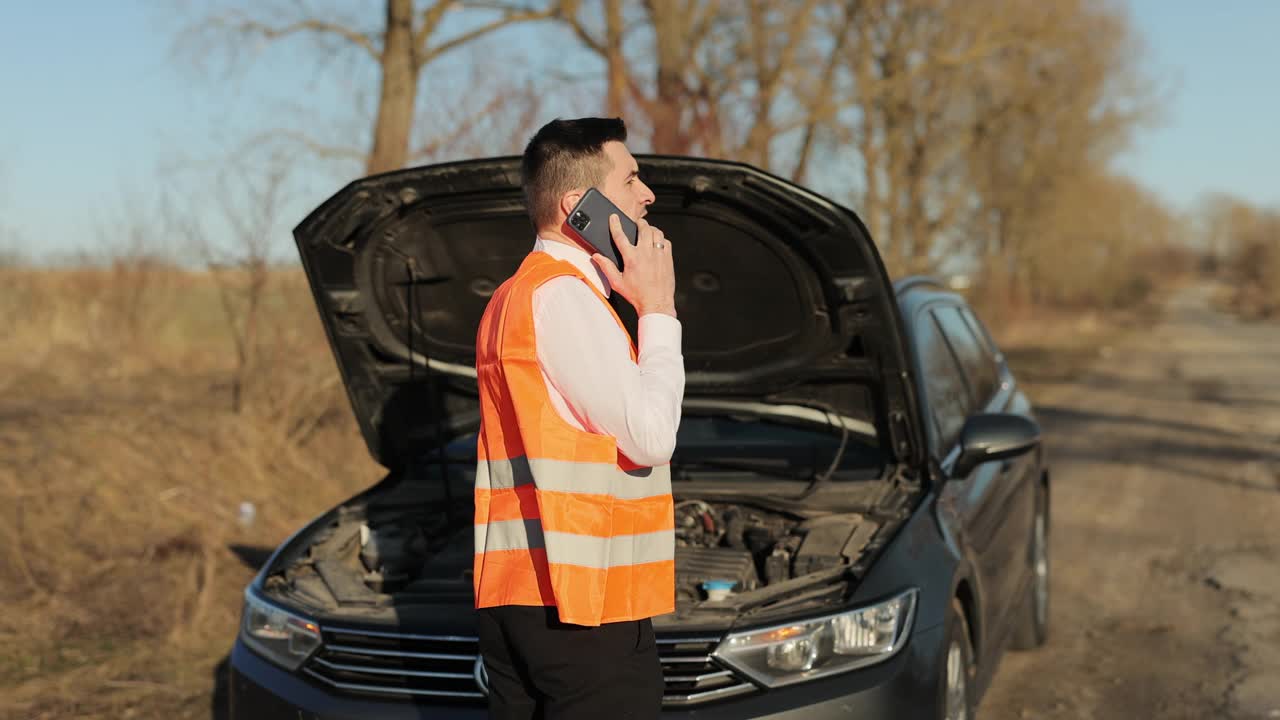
<point>861,493</point>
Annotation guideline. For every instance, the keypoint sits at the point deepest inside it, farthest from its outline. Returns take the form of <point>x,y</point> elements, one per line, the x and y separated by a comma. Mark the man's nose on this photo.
<point>648,196</point>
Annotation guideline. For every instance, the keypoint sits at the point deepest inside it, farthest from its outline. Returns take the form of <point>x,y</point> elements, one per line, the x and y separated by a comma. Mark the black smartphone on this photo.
<point>589,219</point>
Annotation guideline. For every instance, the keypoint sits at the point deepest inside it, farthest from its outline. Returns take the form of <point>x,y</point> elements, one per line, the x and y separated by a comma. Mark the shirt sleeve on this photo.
<point>587,357</point>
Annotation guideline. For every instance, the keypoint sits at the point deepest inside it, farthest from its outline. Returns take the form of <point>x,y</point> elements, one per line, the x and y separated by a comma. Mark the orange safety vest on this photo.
<point>563,518</point>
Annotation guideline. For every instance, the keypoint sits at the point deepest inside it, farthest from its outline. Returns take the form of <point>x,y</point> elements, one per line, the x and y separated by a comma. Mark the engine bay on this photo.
<point>730,548</point>
<point>397,553</point>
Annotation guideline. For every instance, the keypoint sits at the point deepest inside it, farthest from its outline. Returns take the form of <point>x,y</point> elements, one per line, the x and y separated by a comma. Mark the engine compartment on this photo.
<point>398,552</point>
<point>751,548</point>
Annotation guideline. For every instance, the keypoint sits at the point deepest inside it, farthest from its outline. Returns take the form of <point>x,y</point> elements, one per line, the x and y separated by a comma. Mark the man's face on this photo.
<point>623,185</point>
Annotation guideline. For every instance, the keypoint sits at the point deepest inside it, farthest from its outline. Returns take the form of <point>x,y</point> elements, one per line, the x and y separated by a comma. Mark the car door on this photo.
<point>950,401</point>
<point>999,495</point>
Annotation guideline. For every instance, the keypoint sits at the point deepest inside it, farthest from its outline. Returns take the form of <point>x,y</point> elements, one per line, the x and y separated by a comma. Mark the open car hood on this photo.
<point>781,293</point>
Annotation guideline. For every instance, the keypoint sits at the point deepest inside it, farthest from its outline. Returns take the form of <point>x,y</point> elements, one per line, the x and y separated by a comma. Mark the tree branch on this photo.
<point>769,75</point>
<point>569,12</point>
<point>316,147</point>
<point>428,151</point>
<point>823,108</point>
<point>510,16</point>
<point>249,26</point>
<point>431,18</point>
<point>700,25</point>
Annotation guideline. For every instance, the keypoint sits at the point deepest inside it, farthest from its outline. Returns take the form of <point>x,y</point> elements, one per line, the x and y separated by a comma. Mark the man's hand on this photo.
<point>649,281</point>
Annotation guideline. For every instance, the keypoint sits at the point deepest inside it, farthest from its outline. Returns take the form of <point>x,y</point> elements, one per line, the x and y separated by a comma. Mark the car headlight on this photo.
<point>817,647</point>
<point>282,637</point>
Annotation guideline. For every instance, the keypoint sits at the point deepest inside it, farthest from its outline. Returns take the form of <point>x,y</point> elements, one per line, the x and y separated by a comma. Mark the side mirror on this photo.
<point>994,436</point>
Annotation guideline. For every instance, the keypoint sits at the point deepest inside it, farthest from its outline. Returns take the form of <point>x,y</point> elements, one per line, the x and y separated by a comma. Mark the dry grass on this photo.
<point>122,468</point>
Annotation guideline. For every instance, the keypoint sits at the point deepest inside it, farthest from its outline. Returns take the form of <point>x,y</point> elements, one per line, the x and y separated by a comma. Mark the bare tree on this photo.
<point>712,77</point>
<point>963,116</point>
<point>825,98</point>
<point>771,47</point>
<point>1219,218</point>
<point>133,290</point>
<point>677,31</point>
<point>907,70</point>
<point>401,43</point>
<point>1045,120</point>
<point>232,235</point>
<point>495,121</point>
<point>1102,233</point>
<point>1245,241</point>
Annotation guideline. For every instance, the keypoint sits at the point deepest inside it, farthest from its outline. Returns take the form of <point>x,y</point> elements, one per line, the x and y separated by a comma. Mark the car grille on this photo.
<point>692,676</point>
<point>444,668</point>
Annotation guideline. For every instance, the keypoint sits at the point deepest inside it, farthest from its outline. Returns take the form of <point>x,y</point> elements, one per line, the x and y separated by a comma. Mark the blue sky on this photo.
<point>97,106</point>
<point>1220,130</point>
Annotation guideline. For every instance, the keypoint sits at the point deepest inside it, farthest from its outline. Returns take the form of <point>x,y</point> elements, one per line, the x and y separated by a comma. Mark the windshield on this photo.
<point>707,445</point>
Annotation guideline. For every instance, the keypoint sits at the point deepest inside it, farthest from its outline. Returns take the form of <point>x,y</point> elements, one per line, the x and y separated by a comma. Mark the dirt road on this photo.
<point>1166,530</point>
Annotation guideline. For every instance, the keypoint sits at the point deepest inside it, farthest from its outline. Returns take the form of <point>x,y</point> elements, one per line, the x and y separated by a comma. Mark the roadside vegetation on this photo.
<point>1243,250</point>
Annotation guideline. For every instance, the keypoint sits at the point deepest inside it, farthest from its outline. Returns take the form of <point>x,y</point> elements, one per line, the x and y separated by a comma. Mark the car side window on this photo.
<point>944,384</point>
<point>980,330</point>
<point>975,361</point>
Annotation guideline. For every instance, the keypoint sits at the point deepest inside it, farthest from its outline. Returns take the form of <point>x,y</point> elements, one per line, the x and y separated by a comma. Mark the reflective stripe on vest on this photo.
<point>562,517</point>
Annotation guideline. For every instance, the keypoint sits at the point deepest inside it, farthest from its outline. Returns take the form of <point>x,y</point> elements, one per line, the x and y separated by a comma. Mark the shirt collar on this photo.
<point>578,257</point>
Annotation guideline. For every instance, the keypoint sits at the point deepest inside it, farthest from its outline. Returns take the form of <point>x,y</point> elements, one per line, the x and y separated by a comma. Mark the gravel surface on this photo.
<point>1165,530</point>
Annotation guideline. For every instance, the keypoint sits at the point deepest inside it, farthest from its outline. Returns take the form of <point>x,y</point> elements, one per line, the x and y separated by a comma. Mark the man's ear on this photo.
<point>569,200</point>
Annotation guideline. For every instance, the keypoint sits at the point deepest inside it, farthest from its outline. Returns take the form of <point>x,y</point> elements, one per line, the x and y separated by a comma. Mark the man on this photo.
<point>574,524</point>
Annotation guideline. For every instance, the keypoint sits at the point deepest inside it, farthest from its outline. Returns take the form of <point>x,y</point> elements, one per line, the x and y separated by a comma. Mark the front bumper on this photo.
<point>906,686</point>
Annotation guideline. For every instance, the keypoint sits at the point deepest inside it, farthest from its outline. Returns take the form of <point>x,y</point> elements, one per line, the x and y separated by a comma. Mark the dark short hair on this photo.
<point>563,155</point>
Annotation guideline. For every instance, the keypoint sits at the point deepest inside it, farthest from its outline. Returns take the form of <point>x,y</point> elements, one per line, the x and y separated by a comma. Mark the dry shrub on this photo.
<point>1242,243</point>
<point>122,469</point>
<point>115,313</point>
<point>1254,270</point>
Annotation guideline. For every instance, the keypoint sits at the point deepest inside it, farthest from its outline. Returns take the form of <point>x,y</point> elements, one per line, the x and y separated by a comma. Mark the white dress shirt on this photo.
<point>587,368</point>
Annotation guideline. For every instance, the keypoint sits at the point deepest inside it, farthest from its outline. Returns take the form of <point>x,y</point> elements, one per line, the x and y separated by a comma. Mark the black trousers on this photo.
<point>542,668</point>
